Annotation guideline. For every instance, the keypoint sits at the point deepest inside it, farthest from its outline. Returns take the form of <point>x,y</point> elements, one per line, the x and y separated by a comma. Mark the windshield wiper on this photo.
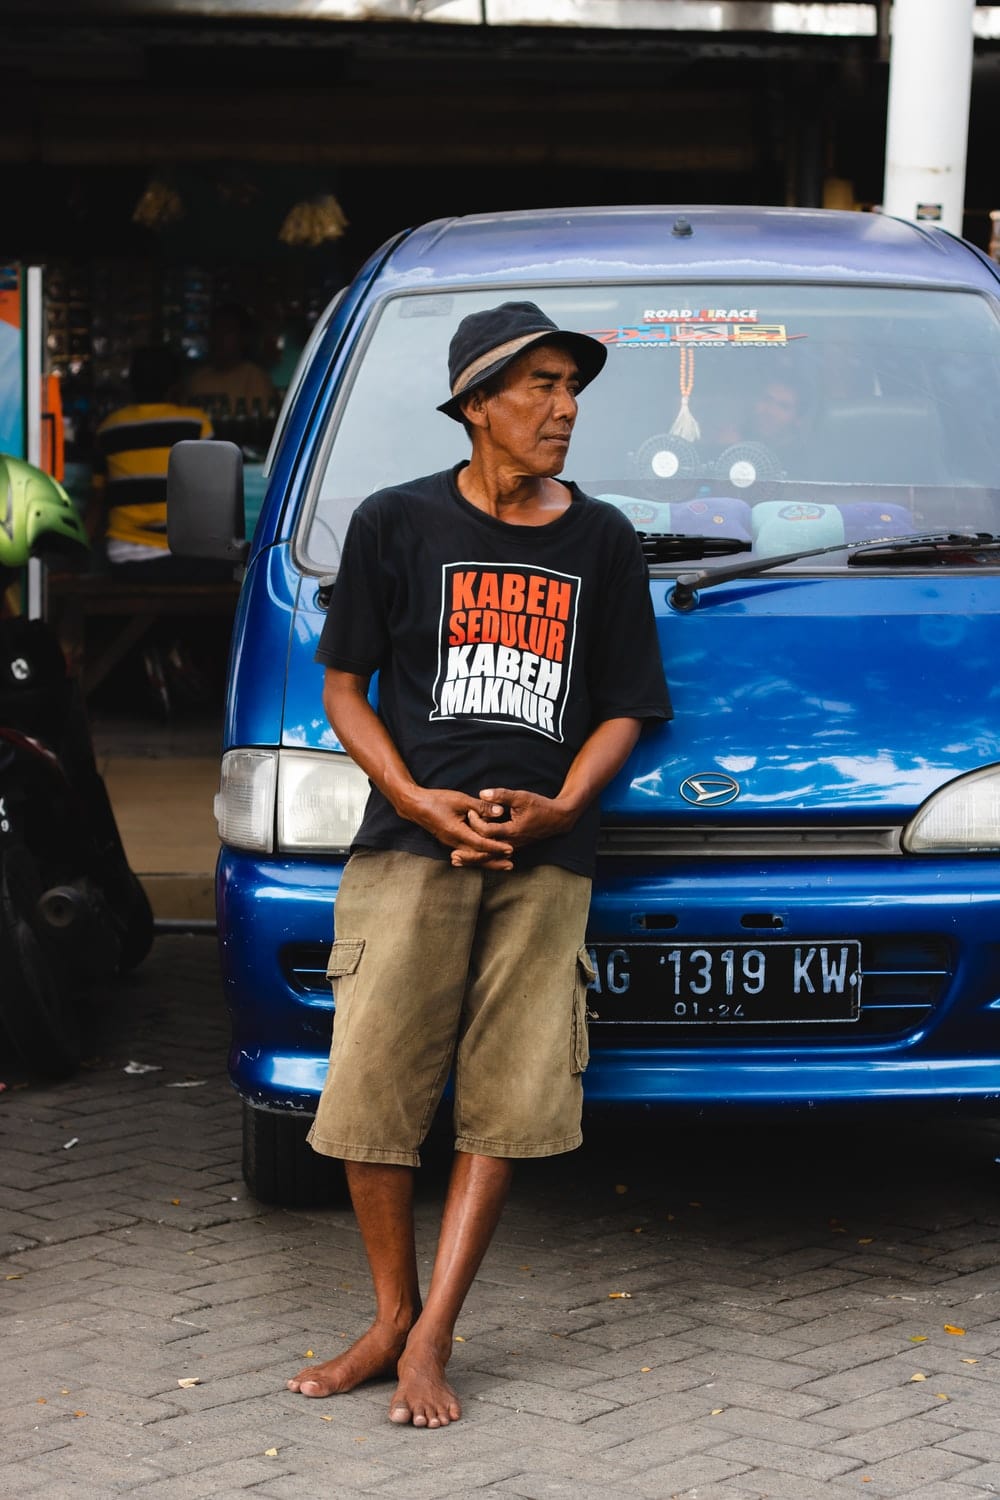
<point>684,594</point>
<point>680,546</point>
<point>926,549</point>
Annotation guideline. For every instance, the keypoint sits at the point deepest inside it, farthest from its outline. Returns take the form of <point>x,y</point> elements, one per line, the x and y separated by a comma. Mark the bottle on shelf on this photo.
<point>222,419</point>
<point>258,433</point>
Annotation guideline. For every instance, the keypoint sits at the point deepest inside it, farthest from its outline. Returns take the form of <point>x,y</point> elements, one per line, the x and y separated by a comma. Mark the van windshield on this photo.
<point>782,417</point>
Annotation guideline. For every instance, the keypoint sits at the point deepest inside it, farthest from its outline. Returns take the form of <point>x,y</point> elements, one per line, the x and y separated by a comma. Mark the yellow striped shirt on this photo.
<point>132,449</point>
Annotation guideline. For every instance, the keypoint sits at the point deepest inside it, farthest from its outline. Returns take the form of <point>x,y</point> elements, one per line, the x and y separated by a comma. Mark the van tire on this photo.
<point>280,1167</point>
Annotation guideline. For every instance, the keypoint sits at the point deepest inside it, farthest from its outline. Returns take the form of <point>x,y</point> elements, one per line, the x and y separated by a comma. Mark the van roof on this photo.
<point>642,243</point>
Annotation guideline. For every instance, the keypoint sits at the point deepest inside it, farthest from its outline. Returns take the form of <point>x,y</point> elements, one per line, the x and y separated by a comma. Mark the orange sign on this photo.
<point>10,295</point>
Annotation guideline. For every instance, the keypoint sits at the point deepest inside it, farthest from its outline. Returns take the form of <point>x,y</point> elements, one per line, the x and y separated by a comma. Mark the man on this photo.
<point>509,617</point>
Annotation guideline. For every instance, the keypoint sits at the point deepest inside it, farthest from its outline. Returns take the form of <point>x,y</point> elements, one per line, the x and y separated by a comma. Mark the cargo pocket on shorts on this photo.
<point>341,966</point>
<point>345,956</point>
<point>585,975</point>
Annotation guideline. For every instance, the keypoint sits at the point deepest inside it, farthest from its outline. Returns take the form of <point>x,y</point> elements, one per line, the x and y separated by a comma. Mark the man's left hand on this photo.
<point>524,817</point>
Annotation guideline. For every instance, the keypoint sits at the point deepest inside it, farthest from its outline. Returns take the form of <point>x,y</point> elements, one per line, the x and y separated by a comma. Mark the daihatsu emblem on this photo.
<point>709,789</point>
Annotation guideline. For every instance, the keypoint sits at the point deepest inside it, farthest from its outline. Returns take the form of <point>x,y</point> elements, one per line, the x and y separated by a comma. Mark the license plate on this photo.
<point>725,984</point>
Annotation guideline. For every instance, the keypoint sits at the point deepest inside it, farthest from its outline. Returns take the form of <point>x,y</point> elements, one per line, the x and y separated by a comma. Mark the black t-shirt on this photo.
<point>499,647</point>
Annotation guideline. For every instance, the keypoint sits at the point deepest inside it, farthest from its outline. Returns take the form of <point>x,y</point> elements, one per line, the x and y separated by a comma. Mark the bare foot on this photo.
<point>423,1396</point>
<point>373,1356</point>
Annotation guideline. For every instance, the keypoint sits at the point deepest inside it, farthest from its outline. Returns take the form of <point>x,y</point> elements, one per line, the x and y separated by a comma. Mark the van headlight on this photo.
<point>290,801</point>
<point>962,818</point>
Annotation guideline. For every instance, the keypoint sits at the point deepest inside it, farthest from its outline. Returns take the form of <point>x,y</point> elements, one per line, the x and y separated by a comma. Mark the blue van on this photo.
<point>798,890</point>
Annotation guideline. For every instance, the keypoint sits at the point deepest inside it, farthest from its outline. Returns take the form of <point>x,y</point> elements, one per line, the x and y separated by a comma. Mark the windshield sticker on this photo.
<point>708,327</point>
<point>703,315</point>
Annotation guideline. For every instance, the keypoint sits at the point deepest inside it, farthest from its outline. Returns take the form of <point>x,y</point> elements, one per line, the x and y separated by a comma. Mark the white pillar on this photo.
<point>930,79</point>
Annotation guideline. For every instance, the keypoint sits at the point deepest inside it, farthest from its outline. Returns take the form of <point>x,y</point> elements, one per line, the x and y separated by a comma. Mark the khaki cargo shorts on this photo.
<point>436,967</point>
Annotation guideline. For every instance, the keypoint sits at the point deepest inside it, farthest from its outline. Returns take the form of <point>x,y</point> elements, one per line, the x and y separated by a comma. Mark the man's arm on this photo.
<point>530,817</point>
<point>443,814</point>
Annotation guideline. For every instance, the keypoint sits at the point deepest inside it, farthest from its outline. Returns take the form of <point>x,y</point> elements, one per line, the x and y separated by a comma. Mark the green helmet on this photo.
<point>35,511</point>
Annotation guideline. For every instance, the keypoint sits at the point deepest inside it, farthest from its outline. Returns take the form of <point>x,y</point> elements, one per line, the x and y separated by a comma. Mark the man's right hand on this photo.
<point>441,813</point>
<point>445,814</point>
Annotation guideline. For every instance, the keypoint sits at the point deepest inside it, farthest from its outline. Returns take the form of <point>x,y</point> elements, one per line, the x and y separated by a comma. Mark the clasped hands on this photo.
<point>487,831</point>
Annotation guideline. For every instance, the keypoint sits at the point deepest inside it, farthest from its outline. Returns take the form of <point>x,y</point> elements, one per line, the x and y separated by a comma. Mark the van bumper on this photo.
<point>276,923</point>
<point>275,926</point>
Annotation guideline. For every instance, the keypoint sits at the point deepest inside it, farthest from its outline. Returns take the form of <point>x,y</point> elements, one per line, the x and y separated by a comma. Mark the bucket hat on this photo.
<point>484,343</point>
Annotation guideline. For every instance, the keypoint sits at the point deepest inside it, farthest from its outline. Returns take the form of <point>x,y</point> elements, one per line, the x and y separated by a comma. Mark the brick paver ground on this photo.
<point>688,1307</point>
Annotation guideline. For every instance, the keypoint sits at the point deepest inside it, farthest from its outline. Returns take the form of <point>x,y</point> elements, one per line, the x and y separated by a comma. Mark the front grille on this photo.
<point>653,841</point>
<point>903,979</point>
<point>304,967</point>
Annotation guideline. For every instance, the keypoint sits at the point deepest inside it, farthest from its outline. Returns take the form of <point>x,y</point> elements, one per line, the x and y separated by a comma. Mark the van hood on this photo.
<point>794,697</point>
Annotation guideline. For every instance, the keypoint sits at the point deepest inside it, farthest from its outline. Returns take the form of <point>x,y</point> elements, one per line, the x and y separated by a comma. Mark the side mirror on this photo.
<point>205,501</point>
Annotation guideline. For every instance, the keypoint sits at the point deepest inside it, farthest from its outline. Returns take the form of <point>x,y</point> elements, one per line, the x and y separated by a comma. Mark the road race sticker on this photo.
<point>506,645</point>
<point>707,327</point>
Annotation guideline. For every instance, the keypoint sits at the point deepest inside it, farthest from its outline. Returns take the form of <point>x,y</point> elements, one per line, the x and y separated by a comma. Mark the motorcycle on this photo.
<point>72,912</point>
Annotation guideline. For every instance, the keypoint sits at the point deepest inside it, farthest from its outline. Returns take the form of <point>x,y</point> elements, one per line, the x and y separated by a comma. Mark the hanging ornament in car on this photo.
<point>685,423</point>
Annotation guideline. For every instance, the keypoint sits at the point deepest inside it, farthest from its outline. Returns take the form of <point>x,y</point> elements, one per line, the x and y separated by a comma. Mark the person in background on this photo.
<point>780,416</point>
<point>229,380</point>
<point>128,505</point>
<point>128,509</point>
